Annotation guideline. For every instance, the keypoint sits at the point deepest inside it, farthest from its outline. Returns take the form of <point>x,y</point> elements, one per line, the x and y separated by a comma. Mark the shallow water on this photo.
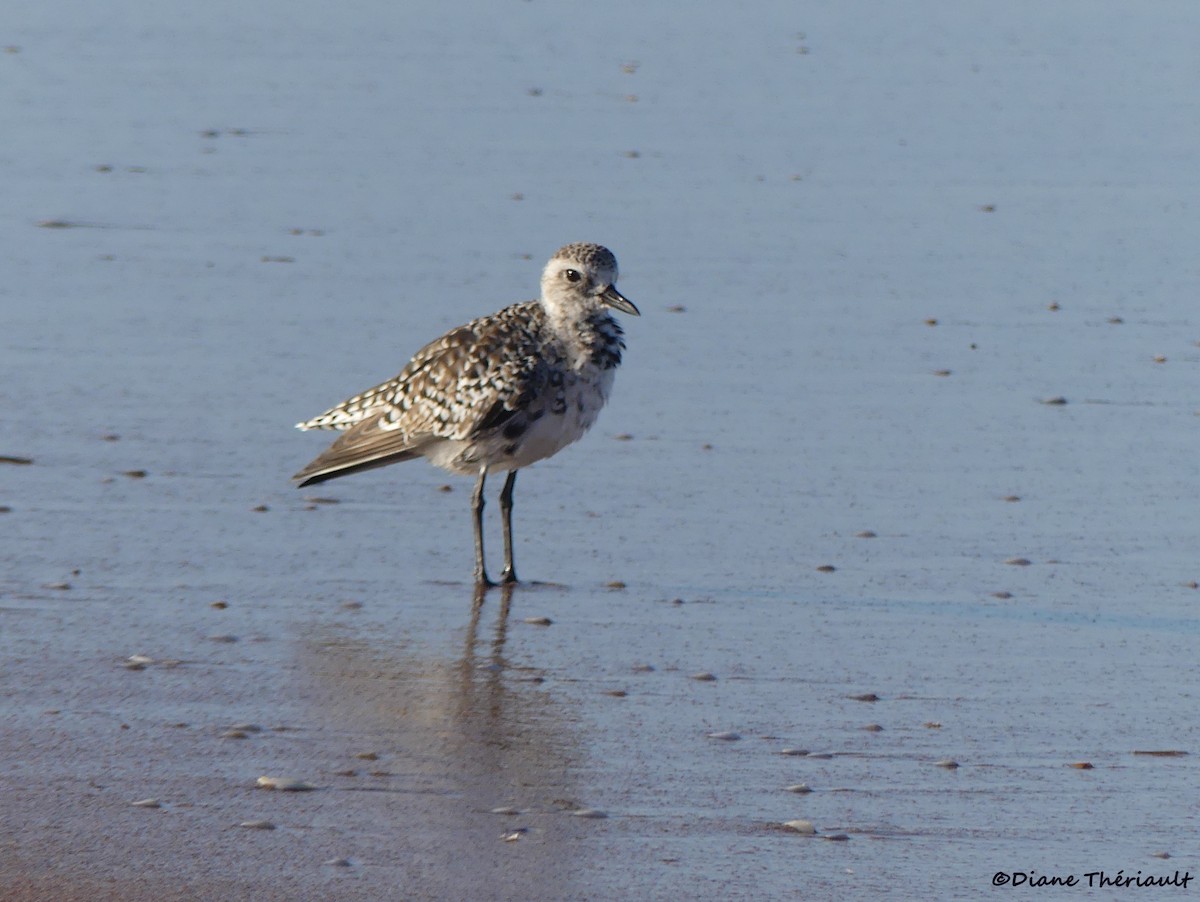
<point>270,209</point>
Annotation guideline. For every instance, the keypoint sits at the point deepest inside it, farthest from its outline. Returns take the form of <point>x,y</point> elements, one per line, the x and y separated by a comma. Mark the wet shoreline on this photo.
<point>893,500</point>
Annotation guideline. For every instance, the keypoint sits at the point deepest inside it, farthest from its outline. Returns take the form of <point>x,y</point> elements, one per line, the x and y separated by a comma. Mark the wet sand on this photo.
<point>895,497</point>
<point>404,752</point>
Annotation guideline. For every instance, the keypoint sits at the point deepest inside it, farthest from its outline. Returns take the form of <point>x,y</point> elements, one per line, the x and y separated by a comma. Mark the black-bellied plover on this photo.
<point>502,392</point>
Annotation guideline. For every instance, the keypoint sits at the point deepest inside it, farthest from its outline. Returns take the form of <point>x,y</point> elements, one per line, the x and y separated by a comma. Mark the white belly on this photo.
<point>553,424</point>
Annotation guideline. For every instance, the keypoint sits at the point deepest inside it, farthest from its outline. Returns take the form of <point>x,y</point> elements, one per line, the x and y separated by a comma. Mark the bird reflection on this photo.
<point>481,678</point>
<point>474,714</point>
<point>463,724</point>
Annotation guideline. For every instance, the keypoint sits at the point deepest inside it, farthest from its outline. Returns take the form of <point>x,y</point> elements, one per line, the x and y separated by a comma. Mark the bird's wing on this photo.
<point>471,379</point>
<point>394,392</point>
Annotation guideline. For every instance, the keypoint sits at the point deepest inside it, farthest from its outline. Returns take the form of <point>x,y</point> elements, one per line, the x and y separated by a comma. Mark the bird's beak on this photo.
<point>613,298</point>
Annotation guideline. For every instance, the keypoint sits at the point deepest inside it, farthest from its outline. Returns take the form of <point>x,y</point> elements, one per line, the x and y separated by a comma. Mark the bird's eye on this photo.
<point>572,275</point>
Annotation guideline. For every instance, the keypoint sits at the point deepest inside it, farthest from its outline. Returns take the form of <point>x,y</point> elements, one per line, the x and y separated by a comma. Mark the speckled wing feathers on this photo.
<point>472,378</point>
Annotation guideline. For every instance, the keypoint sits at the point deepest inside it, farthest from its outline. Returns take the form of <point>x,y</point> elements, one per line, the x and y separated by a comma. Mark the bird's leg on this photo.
<point>510,572</point>
<point>481,577</point>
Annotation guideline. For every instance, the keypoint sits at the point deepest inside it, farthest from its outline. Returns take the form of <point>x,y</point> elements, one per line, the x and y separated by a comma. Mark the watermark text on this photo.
<point>1092,879</point>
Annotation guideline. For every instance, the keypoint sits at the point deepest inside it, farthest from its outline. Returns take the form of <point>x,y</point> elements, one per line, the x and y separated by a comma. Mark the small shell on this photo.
<point>146,803</point>
<point>284,784</point>
<point>592,813</point>
<point>800,826</point>
<point>794,753</point>
<point>799,788</point>
<point>257,825</point>
<point>948,763</point>
<point>538,621</point>
<point>506,810</point>
<point>704,676</point>
<point>726,735</point>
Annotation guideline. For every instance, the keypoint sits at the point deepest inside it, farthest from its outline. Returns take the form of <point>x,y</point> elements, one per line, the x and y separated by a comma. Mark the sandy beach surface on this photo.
<point>890,526</point>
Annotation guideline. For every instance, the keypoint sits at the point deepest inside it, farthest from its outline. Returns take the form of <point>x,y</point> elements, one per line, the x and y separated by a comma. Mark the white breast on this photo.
<point>585,394</point>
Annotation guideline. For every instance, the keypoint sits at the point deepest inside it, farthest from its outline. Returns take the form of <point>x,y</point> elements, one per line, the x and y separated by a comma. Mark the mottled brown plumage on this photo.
<point>505,390</point>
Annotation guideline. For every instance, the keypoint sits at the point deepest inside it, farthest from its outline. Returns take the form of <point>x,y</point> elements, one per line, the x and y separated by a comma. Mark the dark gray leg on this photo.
<point>481,577</point>
<point>510,572</point>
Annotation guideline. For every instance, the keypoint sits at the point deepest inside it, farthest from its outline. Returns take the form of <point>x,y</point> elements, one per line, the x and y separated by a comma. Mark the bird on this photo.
<point>499,393</point>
